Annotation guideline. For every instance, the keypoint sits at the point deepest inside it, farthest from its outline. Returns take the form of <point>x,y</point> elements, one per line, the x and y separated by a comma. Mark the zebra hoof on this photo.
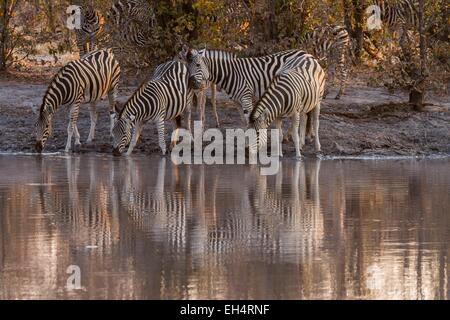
<point>77,147</point>
<point>338,97</point>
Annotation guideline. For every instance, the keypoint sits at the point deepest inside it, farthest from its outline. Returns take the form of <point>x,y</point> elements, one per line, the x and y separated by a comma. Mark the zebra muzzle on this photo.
<point>39,147</point>
<point>116,152</point>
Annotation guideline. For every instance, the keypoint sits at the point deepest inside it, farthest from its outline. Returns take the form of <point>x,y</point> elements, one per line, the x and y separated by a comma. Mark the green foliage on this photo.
<point>252,27</point>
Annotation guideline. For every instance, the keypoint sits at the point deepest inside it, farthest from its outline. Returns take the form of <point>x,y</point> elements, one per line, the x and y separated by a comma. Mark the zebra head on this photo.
<point>121,135</point>
<point>198,70</point>
<point>43,126</point>
<point>259,121</point>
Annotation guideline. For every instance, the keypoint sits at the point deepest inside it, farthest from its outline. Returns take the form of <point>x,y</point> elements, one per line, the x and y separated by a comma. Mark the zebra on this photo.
<point>132,20</point>
<point>90,28</point>
<point>395,14</point>
<point>88,79</point>
<point>139,10</point>
<point>164,97</point>
<point>200,94</point>
<point>243,79</point>
<point>293,93</point>
<point>323,42</point>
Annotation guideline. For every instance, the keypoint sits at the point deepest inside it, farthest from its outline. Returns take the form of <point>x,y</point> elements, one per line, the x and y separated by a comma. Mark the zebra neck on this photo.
<point>58,93</point>
<point>268,109</point>
<point>145,103</point>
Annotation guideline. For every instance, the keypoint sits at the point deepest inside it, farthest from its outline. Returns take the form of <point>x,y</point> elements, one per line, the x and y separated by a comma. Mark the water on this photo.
<point>144,229</point>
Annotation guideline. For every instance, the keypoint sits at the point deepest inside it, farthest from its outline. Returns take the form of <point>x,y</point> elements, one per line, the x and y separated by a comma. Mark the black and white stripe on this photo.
<point>201,93</point>
<point>293,93</point>
<point>133,21</point>
<point>397,13</point>
<point>89,79</point>
<point>86,36</point>
<point>328,42</point>
<point>164,97</point>
<point>243,79</point>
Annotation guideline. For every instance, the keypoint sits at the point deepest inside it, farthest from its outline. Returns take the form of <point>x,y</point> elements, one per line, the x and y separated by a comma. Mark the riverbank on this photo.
<point>365,122</point>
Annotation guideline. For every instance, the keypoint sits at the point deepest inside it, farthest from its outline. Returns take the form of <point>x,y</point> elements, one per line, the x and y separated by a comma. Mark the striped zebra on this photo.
<point>201,93</point>
<point>243,79</point>
<point>293,93</point>
<point>395,14</point>
<point>164,97</point>
<point>323,43</point>
<point>133,20</point>
<point>90,28</point>
<point>139,10</point>
<point>86,80</point>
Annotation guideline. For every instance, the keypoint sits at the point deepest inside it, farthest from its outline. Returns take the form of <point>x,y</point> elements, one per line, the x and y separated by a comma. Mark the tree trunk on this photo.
<point>359,6</point>
<point>347,16</point>
<point>417,93</point>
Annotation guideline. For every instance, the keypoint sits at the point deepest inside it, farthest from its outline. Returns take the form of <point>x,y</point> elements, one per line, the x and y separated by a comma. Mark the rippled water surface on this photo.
<point>143,228</point>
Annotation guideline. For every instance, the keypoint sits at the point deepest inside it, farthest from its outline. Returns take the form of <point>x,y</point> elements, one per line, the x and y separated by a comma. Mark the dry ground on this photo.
<point>366,122</point>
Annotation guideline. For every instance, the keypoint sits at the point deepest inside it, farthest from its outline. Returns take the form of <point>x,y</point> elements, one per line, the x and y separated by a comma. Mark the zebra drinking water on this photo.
<point>86,80</point>
<point>293,93</point>
<point>164,97</point>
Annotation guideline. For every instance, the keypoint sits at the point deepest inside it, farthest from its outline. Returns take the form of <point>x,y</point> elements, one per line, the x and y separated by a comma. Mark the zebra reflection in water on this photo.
<point>200,210</point>
<point>193,211</point>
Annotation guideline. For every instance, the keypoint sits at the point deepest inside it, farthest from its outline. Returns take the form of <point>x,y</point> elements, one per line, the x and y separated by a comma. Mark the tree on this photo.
<point>7,10</point>
<point>418,89</point>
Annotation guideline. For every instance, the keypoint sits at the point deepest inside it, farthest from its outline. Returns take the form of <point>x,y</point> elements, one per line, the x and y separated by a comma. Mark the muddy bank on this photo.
<point>367,121</point>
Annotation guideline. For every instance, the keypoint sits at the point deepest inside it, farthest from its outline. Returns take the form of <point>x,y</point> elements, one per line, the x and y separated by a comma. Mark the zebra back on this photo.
<point>165,95</point>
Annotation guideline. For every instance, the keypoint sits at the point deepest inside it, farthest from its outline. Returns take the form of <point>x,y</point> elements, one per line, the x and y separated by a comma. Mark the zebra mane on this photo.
<point>47,92</point>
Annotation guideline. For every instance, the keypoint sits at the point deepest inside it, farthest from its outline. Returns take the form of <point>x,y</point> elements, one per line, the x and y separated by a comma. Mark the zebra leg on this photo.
<point>342,77</point>
<point>201,102</point>
<point>77,136</point>
<point>295,135</point>
<point>175,137</point>
<point>112,97</point>
<point>303,120</point>
<point>214,103</point>
<point>161,135</point>
<point>315,124</point>
<point>279,126</point>
<point>134,140</point>
<point>94,119</point>
<point>71,129</point>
